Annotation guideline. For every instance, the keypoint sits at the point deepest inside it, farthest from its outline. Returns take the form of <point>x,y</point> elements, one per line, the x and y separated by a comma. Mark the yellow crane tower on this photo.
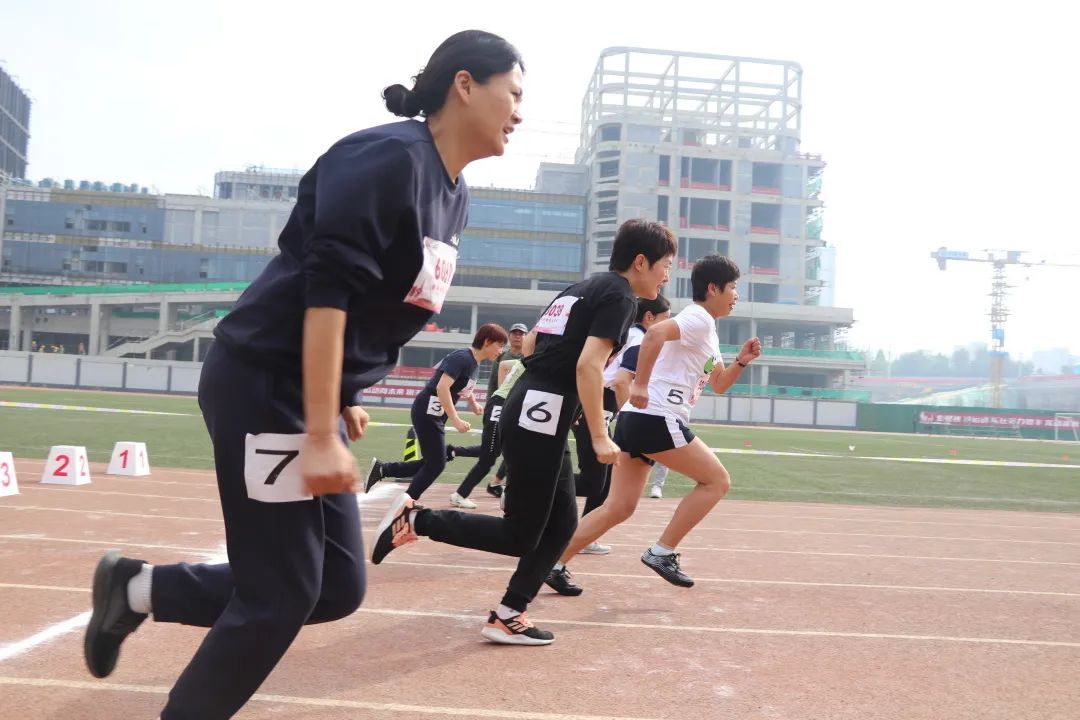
<point>999,311</point>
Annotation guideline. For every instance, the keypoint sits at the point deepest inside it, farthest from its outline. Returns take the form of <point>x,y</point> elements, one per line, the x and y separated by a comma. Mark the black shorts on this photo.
<point>639,434</point>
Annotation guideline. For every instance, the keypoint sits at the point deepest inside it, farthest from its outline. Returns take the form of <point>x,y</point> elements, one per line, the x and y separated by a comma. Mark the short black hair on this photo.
<point>712,269</point>
<point>489,332</point>
<point>641,237</point>
<point>481,54</point>
<point>656,307</point>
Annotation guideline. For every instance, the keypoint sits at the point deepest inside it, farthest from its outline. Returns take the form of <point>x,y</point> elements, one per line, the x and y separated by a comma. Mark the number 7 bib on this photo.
<point>272,468</point>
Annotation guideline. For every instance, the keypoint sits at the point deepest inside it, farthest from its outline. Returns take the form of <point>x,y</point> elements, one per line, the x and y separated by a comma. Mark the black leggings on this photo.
<point>290,563</point>
<point>431,436</point>
<point>541,507</point>
<point>489,449</point>
<point>594,477</point>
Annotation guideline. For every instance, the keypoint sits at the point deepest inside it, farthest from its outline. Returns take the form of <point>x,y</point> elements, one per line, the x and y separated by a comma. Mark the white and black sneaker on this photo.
<point>516,630</point>
<point>374,474</point>
<point>395,529</point>
<point>667,567</point>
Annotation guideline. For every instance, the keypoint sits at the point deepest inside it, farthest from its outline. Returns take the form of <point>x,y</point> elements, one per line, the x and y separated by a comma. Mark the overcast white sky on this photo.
<point>944,123</point>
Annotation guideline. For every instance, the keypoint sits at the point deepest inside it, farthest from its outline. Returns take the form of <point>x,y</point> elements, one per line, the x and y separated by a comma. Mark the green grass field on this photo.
<point>849,477</point>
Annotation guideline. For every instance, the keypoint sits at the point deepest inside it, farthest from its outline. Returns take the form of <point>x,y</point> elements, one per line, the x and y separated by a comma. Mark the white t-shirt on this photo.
<point>683,366</point>
<point>633,338</point>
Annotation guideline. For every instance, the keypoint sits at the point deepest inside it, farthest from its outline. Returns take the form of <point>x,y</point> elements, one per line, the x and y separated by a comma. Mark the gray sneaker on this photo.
<point>595,548</point>
<point>667,567</point>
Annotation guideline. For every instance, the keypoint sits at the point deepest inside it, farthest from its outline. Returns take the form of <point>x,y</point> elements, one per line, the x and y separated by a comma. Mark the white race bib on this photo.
<point>496,413</point>
<point>433,281</point>
<point>540,411</point>
<point>553,321</point>
<point>434,406</point>
<point>272,468</point>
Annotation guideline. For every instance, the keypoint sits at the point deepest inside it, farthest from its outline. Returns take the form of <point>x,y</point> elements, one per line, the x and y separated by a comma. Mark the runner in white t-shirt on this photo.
<point>675,361</point>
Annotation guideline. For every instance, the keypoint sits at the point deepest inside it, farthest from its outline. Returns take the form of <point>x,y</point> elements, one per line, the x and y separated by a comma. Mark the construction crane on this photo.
<point>999,312</point>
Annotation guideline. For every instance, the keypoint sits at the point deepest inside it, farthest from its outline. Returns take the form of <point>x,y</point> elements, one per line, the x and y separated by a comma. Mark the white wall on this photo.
<point>174,376</point>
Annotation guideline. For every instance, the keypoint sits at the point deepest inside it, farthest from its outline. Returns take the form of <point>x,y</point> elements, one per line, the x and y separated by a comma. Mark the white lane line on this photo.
<point>930,461</point>
<point>85,408</point>
<point>109,513</point>
<point>744,581</point>
<point>954,523</point>
<point>780,632</point>
<point>53,631</point>
<point>854,493</point>
<point>856,555</point>
<point>39,537</point>
<point>55,588</point>
<point>88,491</point>
<point>310,702</point>
<point>876,535</point>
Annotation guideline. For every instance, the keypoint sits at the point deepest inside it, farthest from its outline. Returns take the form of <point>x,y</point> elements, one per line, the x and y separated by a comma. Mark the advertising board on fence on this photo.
<point>1041,422</point>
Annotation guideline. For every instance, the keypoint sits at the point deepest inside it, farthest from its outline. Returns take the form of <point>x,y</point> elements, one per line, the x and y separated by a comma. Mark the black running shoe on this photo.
<point>374,474</point>
<point>112,619</point>
<point>451,453</point>
<point>517,630</point>
<point>667,567</point>
<point>494,490</point>
<point>562,582</point>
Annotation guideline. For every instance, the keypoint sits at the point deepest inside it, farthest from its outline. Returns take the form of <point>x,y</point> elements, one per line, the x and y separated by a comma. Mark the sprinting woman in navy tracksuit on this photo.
<point>367,257</point>
<point>454,377</point>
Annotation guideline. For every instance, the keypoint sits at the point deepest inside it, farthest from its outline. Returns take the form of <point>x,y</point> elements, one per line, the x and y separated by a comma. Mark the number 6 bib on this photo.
<point>272,468</point>
<point>540,412</point>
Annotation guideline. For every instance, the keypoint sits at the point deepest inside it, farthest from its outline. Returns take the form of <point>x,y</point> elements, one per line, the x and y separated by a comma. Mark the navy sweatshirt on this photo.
<point>374,232</point>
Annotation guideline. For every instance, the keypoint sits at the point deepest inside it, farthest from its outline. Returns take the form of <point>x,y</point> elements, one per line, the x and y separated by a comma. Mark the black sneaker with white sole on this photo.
<point>112,619</point>
<point>667,567</point>
<point>516,630</point>
<point>374,474</point>
<point>494,491</point>
<point>562,582</point>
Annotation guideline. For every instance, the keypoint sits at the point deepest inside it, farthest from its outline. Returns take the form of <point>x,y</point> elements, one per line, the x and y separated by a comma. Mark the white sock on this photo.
<point>138,590</point>
<point>505,613</point>
<point>558,567</point>
<point>412,519</point>
<point>659,549</point>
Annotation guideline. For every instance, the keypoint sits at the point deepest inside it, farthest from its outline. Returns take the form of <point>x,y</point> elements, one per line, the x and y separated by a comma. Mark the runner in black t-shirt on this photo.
<point>454,378</point>
<point>573,339</point>
<point>367,257</point>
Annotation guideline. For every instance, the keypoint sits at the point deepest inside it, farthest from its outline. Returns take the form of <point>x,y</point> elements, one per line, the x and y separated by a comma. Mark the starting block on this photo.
<point>9,484</point>
<point>67,465</point>
<point>129,458</point>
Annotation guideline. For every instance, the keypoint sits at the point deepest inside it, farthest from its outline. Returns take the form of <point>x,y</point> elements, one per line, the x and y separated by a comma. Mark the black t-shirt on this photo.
<point>599,306</point>
<point>374,232</point>
<point>460,365</point>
